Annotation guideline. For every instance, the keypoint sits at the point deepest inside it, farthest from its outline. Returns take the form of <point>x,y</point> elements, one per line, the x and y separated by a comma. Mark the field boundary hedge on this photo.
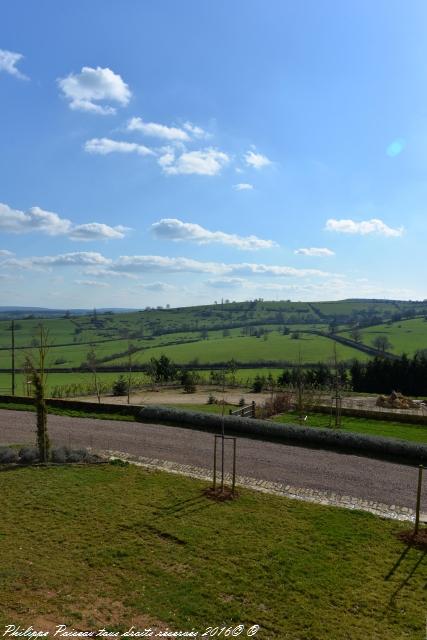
<point>345,442</point>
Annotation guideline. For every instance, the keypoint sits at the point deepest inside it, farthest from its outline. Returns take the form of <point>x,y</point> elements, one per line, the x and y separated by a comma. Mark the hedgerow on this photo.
<point>331,439</point>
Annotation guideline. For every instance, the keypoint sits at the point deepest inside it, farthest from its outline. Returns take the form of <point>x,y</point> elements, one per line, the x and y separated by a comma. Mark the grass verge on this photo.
<point>384,428</point>
<point>68,412</point>
<point>115,546</point>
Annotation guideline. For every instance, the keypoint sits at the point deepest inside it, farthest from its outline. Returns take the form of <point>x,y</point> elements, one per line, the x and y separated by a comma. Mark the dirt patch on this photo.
<point>177,396</point>
<point>419,541</point>
<point>220,495</point>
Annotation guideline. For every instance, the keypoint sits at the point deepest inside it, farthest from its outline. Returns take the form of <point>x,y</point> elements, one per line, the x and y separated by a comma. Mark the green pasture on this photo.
<point>277,347</point>
<point>109,546</point>
<point>405,336</point>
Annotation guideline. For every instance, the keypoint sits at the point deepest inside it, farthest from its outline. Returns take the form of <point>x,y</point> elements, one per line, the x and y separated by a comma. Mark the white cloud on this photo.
<point>196,132</point>
<point>256,160</point>
<point>104,146</point>
<point>163,263</point>
<point>157,286</point>
<point>35,219</point>
<point>273,270</point>
<point>226,283</point>
<point>243,186</point>
<point>4,253</point>
<point>86,89</point>
<point>143,264</point>
<point>155,130</point>
<point>51,224</point>
<point>205,162</point>
<point>174,229</point>
<point>8,62</point>
<point>363,228</point>
<point>91,283</point>
<point>77,258</point>
<point>97,231</point>
<point>102,272</point>
<point>315,251</point>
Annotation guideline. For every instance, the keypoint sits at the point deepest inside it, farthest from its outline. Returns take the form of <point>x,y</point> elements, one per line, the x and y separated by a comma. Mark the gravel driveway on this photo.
<point>364,478</point>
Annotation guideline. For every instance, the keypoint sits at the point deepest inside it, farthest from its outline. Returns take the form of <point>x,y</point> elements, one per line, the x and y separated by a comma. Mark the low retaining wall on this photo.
<point>370,446</point>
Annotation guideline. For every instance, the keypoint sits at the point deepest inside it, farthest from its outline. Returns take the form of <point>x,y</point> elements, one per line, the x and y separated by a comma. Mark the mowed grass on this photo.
<point>405,336</point>
<point>385,428</point>
<point>109,546</point>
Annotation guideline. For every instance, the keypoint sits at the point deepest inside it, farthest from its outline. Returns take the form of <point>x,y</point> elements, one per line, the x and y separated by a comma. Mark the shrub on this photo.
<point>212,399</point>
<point>60,454</point>
<point>120,387</point>
<point>242,402</point>
<point>258,384</point>
<point>28,455</point>
<point>119,463</point>
<point>8,455</point>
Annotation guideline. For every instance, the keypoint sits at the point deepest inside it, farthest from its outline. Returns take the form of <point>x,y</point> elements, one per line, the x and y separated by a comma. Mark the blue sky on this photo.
<point>161,152</point>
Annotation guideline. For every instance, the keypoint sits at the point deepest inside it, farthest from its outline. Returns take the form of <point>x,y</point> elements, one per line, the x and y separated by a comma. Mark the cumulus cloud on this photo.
<point>243,186</point>
<point>205,162</point>
<point>143,264</point>
<point>4,253</point>
<point>35,219</point>
<point>85,90</point>
<point>8,63</point>
<point>97,231</point>
<point>155,130</point>
<point>320,252</point>
<point>51,224</point>
<point>256,160</point>
<point>177,230</point>
<point>91,283</point>
<point>363,228</point>
<point>73,259</point>
<point>163,263</point>
<point>104,146</point>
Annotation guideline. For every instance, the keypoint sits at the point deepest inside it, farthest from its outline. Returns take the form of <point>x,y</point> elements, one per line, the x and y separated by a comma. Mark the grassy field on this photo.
<point>405,336</point>
<point>109,547</point>
<point>308,348</point>
<point>401,430</point>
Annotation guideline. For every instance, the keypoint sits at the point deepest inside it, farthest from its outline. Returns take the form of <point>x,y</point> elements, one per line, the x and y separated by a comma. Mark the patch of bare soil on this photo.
<point>419,541</point>
<point>177,396</point>
<point>220,495</point>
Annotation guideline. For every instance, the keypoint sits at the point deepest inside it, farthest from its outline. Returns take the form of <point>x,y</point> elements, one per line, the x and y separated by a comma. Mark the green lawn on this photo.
<point>114,546</point>
<point>401,430</point>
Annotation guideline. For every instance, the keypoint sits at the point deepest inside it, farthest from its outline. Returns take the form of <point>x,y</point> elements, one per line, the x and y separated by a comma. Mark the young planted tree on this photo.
<point>92,363</point>
<point>36,369</point>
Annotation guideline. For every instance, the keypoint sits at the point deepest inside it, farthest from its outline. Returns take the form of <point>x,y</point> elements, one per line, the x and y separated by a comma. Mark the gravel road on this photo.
<point>364,478</point>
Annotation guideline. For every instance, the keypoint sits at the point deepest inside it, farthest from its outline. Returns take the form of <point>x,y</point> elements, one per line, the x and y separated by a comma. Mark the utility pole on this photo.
<point>13,356</point>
